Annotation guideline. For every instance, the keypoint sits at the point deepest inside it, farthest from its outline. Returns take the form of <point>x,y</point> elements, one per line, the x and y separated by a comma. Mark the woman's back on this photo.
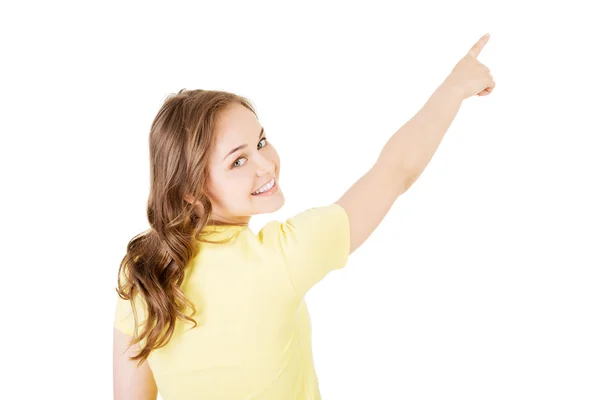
<point>253,333</point>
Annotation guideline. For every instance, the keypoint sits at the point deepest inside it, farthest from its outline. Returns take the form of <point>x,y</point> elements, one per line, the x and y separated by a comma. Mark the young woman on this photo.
<point>209,310</point>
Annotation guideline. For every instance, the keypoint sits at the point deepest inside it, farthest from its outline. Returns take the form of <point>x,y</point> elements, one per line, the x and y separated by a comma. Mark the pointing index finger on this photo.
<point>477,47</point>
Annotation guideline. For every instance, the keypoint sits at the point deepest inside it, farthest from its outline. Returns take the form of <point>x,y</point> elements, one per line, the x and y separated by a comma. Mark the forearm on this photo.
<point>410,149</point>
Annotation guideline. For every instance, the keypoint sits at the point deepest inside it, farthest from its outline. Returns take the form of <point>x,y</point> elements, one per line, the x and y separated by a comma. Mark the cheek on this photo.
<point>212,194</point>
<point>240,185</point>
<point>215,190</point>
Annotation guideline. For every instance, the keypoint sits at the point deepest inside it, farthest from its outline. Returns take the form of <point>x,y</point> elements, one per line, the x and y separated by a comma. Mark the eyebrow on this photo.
<point>244,145</point>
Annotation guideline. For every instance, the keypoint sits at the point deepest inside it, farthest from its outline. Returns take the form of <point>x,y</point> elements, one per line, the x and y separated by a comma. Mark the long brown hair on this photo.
<point>182,137</point>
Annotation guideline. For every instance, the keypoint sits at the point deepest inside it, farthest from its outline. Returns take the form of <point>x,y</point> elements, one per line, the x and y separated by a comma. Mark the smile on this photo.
<point>267,189</point>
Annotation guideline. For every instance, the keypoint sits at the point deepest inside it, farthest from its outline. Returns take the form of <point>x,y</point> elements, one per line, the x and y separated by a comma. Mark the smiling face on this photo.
<point>243,161</point>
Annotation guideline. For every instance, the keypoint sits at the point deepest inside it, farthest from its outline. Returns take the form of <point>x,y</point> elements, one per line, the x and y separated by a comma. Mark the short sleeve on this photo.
<point>124,319</point>
<point>313,243</point>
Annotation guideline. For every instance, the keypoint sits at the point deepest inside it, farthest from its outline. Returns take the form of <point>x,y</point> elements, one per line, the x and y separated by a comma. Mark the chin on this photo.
<point>268,204</point>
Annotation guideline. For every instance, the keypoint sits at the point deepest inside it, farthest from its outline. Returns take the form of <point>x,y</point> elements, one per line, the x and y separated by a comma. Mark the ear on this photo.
<point>188,198</point>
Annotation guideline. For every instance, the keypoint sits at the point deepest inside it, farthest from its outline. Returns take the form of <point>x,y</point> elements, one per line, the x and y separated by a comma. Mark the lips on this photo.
<point>264,184</point>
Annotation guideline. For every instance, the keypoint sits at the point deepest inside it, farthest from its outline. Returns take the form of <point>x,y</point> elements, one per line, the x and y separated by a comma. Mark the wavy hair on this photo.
<point>182,137</point>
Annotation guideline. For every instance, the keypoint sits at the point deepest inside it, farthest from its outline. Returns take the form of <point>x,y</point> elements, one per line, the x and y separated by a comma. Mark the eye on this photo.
<point>235,164</point>
<point>265,139</point>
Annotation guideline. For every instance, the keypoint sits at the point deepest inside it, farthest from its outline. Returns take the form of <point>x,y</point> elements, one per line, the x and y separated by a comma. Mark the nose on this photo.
<point>265,166</point>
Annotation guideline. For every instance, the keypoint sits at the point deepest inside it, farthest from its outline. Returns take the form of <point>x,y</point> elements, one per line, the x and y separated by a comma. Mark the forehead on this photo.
<point>236,125</point>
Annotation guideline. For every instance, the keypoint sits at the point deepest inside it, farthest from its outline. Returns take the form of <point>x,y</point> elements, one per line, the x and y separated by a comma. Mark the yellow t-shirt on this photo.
<point>253,339</point>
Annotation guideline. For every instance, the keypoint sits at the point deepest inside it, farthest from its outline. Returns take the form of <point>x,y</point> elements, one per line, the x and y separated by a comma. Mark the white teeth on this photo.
<point>266,187</point>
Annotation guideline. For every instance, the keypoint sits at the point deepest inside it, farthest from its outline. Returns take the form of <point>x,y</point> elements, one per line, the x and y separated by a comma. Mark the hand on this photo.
<point>469,76</point>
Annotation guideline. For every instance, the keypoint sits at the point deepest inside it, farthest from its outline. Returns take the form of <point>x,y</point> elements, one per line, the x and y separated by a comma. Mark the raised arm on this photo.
<point>409,150</point>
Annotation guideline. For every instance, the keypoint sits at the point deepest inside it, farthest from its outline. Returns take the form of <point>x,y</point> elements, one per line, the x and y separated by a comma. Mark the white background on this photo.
<point>482,282</point>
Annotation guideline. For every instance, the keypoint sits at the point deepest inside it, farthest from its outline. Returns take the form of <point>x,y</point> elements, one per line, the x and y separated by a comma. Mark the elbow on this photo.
<point>411,176</point>
<point>409,173</point>
<point>400,177</point>
<point>406,174</point>
<point>402,172</point>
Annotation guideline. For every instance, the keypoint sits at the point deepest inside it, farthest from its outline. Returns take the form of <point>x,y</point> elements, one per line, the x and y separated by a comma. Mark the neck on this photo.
<point>241,222</point>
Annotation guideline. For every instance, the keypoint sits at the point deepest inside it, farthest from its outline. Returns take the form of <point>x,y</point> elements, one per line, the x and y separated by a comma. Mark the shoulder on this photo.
<point>311,243</point>
<point>316,223</point>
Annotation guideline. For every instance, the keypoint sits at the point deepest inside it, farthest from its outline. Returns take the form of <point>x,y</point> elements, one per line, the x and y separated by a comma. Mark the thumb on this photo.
<point>477,47</point>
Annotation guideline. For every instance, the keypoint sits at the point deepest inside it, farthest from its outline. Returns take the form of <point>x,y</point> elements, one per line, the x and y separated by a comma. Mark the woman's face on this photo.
<point>242,162</point>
